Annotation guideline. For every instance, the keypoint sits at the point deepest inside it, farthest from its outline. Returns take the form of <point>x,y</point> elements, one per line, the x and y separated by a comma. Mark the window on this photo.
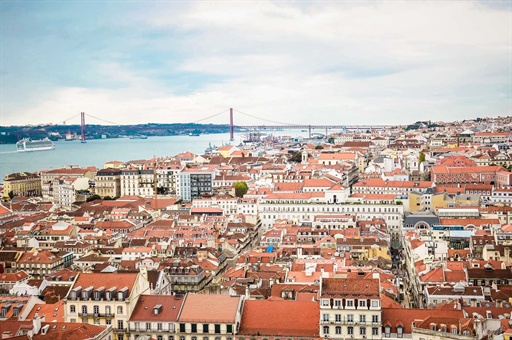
<point>375,318</point>
<point>375,303</point>
<point>171,337</point>
<point>326,329</point>
<point>119,309</point>
<point>454,330</point>
<point>148,326</point>
<point>326,317</point>
<point>120,324</point>
<point>362,330</point>
<point>194,328</point>
<point>338,317</point>
<point>108,322</point>
<point>350,330</point>
<point>96,310</point>
<point>107,310</point>
<point>362,318</point>
<point>229,329</point>
<point>387,331</point>
<point>72,309</point>
<point>194,338</point>
<point>325,303</point>
<point>159,326</point>
<point>337,303</point>
<point>217,329</point>
<point>182,337</point>
<point>362,303</point>
<point>206,328</point>
<point>375,331</point>
<point>350,303</point>
<point>338,330</point>
<point>84,310</point>
<point>159,337</point>
<point>400,331</point>
<point>350,318</point>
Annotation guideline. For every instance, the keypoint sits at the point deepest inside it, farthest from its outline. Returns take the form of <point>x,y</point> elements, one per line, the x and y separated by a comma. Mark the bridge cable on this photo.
<point>103,120</point>
<point>65,120</point>
<point>202,119</point>
<point>263,119</point>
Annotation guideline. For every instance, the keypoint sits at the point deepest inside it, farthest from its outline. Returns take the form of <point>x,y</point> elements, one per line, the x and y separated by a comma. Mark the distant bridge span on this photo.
<point>275,125</point>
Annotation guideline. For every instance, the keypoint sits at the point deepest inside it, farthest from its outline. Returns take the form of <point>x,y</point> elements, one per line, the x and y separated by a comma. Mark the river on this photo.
<point>98,151</point>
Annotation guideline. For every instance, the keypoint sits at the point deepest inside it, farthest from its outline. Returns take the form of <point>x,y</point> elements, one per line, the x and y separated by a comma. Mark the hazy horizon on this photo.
<point>356,62</point>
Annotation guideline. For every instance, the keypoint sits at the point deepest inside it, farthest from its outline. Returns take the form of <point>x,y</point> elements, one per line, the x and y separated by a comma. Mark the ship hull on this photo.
<point>46,148</point>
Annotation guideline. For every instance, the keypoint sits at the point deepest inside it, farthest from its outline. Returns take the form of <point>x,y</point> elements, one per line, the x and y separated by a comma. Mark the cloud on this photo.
<point>382,62</point>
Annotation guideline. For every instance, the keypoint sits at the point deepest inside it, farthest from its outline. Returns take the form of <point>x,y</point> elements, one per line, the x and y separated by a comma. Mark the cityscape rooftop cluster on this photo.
<point>400,232</point>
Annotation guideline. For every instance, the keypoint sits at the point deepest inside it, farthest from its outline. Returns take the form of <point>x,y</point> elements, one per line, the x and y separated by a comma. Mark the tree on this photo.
<point>421,159</point>
<point>93,197</point>
<point>11,195</point>
<point>319,147</point>
<point>331,140</point>
<point>240,189</point>
<point>297,158</point>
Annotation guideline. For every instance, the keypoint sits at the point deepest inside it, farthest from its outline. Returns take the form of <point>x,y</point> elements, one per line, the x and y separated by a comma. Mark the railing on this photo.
<point>120,330</point>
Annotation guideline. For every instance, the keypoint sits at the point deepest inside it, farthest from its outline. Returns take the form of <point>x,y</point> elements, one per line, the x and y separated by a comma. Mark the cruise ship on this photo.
<point>27,144</point>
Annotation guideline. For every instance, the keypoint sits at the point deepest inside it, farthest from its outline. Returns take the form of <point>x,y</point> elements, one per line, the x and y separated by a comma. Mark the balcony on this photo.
<point>120,330</point>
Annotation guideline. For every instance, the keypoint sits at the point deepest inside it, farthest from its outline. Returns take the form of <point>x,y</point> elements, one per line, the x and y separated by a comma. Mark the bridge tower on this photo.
<point>231,130</point>
<point>82,114</point>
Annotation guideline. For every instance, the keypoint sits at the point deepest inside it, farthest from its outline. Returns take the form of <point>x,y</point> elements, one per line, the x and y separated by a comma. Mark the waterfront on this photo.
<point>98,151</point>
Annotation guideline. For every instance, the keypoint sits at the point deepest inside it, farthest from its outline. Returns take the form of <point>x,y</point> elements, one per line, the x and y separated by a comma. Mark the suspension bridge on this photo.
<point>272,125</point>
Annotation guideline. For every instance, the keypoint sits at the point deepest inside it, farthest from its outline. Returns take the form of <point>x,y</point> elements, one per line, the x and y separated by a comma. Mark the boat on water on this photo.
<point>194,134</point>
<point>27,144</point>
<point>139,137</point>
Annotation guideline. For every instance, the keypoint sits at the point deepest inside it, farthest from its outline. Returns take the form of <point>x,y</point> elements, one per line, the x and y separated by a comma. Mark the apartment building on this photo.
<point>66,191</point>
<point>49,178</point>
<point>136,182</point>
<point>288,209</point>
<point>195,182</point>
<point>108,182</point>
<point>106,299</point>
<point>210,317</point>
<point>22,184</point>
<point>350,308</point>
<point>155,316</point>
<point>380,186</point>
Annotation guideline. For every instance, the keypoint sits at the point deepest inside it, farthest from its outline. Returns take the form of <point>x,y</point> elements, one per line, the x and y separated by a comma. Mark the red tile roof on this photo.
<point>280,318</point>
<point>171,306</point>
<point>209,308</point>
<point>107,280</point>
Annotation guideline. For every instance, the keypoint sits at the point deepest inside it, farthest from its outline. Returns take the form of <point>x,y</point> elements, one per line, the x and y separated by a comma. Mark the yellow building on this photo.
<point>106,299</point>
<point>22,184</point>
<point>114,165</point>
<point>227,150</point>
<point>429,200</point>
<point>108,182</point>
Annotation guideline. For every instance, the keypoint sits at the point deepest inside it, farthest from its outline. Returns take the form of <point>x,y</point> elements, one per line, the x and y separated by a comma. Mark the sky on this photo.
<point>298,62</point>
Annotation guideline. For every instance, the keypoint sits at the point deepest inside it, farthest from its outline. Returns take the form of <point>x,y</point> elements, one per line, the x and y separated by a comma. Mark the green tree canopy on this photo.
<point>240,189</point>
<point>93,197</point>
<point>422,157</point>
